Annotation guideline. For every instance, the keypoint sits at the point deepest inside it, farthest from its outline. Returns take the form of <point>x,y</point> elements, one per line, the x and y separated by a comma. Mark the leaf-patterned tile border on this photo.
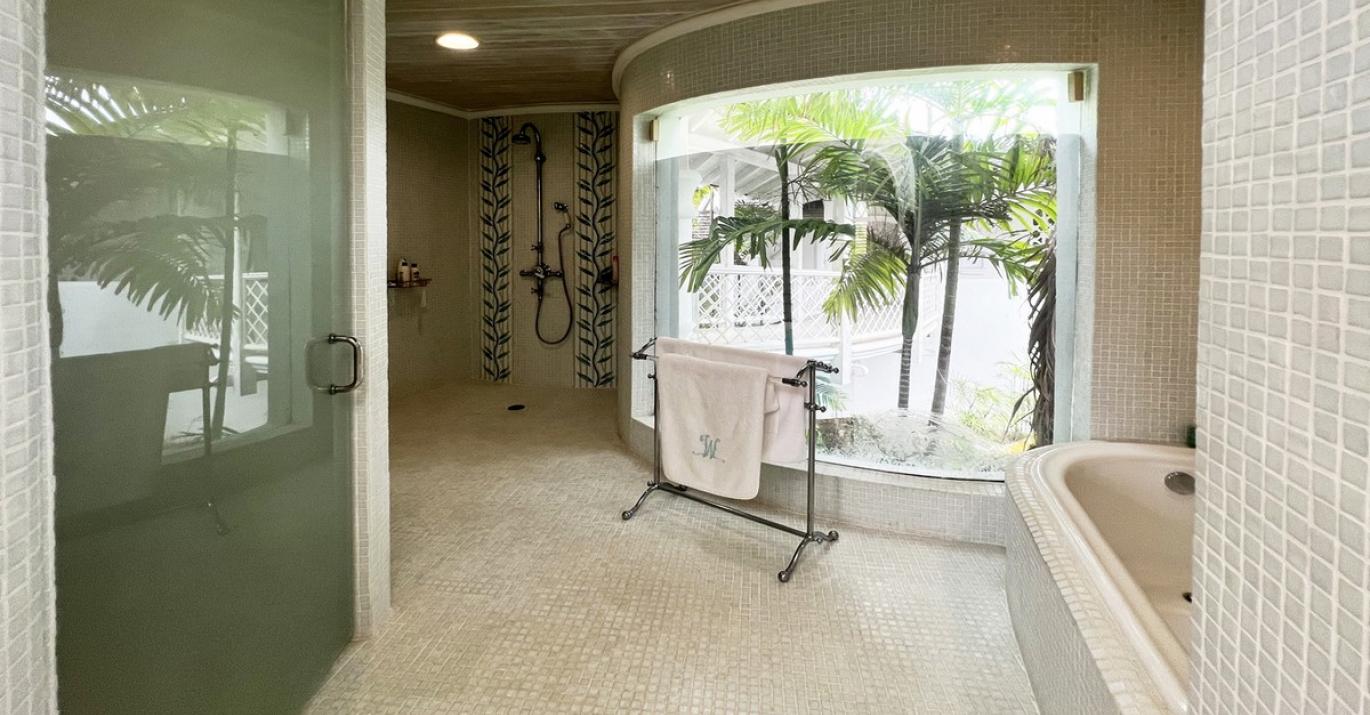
<point>495,239</point>
<point>595,240</point>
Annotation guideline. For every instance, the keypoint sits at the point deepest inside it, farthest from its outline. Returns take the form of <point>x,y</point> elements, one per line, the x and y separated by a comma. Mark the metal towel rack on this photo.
<point>806,378</point>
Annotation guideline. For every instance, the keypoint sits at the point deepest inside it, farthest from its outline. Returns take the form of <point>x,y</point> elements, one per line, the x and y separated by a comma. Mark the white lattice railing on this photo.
<point>741,306</point>
<point>253,321</point>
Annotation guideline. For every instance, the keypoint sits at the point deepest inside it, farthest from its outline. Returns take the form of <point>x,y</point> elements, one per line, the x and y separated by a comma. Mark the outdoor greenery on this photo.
<point>987,430</point>
<point>977,184</point>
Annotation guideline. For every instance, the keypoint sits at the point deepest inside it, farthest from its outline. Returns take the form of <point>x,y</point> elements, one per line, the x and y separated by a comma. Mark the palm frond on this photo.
<point>753,238</point>
<point>870,281</point>
<point>1039,400</point>
<point>161,263</point>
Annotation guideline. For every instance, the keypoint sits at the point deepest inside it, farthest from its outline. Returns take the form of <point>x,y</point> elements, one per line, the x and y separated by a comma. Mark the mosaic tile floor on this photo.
<point>517,588</point>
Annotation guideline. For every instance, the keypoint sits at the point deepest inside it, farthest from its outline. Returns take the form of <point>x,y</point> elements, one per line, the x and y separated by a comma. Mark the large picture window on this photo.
<point>904,231</point>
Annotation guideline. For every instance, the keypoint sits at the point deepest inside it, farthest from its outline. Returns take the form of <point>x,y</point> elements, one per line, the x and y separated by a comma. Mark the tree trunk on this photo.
<point>910,328</point>
<point>215,430</point>
<point>787,295</point>
<point>953,274</point>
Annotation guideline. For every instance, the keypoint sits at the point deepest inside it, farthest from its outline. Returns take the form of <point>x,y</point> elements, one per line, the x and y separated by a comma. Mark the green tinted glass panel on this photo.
<point>196,174</point>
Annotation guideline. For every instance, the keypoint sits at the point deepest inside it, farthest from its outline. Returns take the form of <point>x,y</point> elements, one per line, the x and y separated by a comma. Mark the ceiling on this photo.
<point>532,51</point>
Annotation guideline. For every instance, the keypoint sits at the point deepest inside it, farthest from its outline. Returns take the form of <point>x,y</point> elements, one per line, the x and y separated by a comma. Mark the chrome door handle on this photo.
<point>356,346</point>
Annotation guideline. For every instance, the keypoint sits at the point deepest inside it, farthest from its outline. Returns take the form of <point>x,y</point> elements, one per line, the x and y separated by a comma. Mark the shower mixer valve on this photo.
<point>539,273</point>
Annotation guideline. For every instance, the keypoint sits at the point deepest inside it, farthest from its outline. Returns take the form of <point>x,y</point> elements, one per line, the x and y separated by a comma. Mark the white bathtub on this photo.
<point>1116,543</point>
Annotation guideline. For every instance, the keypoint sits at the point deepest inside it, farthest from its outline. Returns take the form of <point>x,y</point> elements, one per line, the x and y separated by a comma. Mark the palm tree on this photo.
<point>850,145</point>
<point>988,109</point>
<point>927,185</point>
<point>792,128</point>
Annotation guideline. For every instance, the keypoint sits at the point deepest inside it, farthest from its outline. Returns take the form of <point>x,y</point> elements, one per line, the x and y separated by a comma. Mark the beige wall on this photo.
<point>430,208</point>
<point>1148,58</point>
<point>1281,546</point>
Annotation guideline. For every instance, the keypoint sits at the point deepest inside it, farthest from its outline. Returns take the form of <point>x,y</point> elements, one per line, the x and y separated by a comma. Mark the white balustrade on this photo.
<point>742,306</point>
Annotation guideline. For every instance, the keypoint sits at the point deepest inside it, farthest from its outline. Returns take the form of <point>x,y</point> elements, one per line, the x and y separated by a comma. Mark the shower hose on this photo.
<point>565,291</point>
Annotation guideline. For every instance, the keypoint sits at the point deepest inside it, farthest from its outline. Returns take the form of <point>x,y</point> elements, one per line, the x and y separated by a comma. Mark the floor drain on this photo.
<point>516,407</point>
<point>1189,596</point>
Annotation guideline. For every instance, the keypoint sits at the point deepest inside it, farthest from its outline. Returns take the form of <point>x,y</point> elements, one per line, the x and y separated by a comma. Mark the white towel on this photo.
<point>787,420</point>
<point>711,419</point>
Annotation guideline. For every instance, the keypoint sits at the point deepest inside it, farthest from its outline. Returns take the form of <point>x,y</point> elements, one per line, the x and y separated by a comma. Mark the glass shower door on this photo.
<point>196,175</point>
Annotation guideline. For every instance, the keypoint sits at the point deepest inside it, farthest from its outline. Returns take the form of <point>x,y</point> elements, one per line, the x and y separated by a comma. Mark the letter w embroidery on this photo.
<point>709,447</point>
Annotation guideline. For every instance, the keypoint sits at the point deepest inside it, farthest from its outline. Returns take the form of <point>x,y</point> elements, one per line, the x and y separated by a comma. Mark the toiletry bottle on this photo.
<point>402,272</point>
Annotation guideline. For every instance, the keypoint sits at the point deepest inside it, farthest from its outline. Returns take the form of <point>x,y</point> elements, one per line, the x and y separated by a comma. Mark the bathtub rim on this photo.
<point>1142,619</point>
<point>1110,633</point>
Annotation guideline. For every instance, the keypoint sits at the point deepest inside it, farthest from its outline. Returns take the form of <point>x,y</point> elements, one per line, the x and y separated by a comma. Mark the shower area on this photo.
<point>511,219</point>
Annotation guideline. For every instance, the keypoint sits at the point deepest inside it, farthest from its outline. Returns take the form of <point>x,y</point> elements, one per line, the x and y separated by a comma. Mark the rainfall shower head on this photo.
<point>529,134</point>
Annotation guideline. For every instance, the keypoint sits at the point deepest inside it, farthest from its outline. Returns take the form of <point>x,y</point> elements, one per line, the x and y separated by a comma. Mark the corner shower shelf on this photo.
<point>420,283</point>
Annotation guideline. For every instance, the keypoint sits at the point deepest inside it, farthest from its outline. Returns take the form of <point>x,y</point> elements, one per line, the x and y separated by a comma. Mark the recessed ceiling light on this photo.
<point>458,41</point>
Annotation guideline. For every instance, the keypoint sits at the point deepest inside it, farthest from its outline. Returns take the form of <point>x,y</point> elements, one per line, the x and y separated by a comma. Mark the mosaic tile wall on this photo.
<point>429,200</point>
<point>1149,60</point>
<point>1281,549</point>
<point>581,173</point>
<point>28,682</point>
<point>637,260</point>
<point>370,407</point>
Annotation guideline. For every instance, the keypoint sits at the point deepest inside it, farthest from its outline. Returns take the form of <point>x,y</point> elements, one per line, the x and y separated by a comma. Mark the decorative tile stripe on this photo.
<point>594,248</point>
<point>495,237</point>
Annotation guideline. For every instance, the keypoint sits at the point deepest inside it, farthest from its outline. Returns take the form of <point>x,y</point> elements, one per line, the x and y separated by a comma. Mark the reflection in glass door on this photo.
<point>196,165</point>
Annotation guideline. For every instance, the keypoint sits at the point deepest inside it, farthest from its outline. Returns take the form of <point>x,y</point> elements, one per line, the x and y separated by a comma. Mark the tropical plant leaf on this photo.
<point>160,263</point>
<point>754,239</point>
<point>870,281</point>
<point>1038,403</point>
